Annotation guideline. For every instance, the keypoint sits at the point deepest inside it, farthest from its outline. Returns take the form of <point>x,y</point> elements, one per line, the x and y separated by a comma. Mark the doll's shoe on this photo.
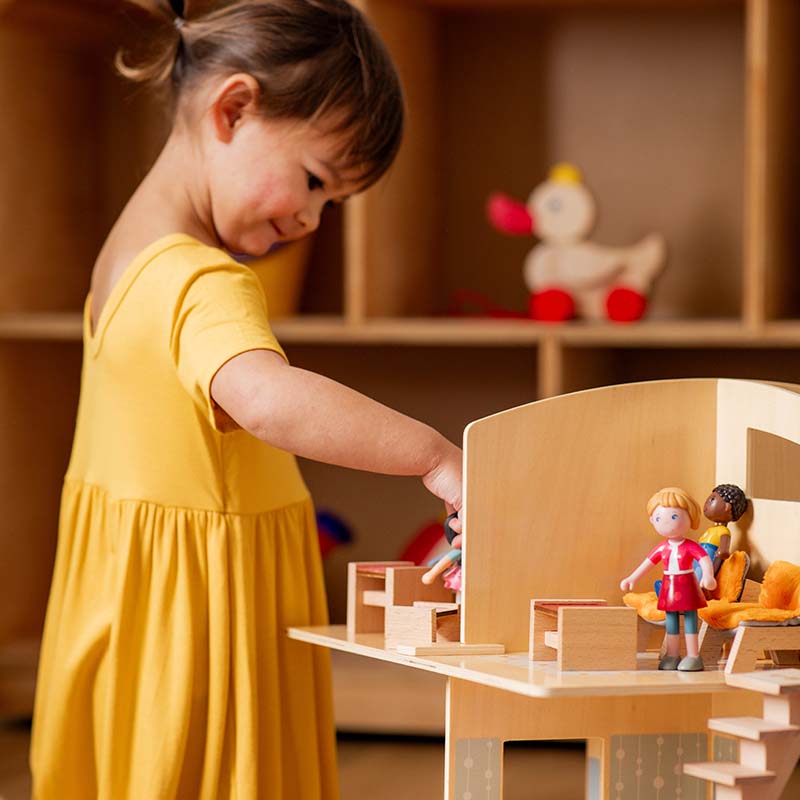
<point>691,664</point>
<point>669,662</point>
<point>625,305</point>
<point>551,305</point>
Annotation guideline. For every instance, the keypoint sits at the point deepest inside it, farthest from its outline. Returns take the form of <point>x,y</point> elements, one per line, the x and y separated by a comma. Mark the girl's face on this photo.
<point>671,523</point>
<point>271,181</point>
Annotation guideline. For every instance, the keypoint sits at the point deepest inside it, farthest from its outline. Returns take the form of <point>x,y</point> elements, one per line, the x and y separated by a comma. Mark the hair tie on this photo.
<point>179,10</point>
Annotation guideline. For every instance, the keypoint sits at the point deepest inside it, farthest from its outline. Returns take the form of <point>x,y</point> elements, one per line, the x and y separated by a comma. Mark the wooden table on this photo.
<point>640,726</point>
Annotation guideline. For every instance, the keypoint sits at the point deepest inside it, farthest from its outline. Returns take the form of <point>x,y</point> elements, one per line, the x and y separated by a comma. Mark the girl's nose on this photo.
<point>308,218</point>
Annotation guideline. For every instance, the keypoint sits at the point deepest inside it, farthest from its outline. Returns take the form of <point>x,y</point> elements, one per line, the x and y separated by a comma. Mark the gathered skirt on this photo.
<point>681,593</point>
<point>165,670</point>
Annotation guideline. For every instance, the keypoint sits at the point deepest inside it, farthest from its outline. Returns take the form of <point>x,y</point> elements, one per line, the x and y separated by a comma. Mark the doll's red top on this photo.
<point>687,551</point>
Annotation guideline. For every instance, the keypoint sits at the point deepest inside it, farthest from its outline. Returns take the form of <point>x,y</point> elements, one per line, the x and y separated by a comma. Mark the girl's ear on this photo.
<point>235,98</point>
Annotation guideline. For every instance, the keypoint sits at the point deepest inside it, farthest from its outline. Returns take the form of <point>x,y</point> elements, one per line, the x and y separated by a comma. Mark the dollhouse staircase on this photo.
<point>769,746</point>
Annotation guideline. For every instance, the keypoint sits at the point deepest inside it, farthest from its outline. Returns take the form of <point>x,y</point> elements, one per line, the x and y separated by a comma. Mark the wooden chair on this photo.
<point>374,586</point>
<point>768,622</point>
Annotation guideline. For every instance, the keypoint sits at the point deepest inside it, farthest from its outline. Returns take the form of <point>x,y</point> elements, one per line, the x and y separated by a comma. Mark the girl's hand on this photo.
<point>626,584</point>
<point>445,480</point>
<point>710,584</point>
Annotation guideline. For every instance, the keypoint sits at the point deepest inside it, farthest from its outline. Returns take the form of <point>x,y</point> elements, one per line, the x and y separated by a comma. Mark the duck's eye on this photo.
<point>314,182</point>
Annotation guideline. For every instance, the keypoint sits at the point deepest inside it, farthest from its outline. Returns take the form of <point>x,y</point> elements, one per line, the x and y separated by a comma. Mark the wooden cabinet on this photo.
<point>682,115</point>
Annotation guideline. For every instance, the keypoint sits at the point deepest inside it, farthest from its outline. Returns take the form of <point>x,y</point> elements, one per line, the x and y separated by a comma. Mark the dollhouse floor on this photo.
<point>531,771</point>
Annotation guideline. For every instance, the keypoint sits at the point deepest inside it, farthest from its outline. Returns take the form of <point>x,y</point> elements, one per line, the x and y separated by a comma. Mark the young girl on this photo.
<point>187,539</point>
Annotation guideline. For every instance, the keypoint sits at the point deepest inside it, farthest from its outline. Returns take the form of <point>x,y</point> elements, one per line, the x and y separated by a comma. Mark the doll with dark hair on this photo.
<point>726,503</point>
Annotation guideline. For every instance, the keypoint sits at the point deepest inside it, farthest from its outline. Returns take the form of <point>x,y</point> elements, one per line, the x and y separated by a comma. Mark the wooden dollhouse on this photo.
<point>554,507</point>
<point>699,141</point>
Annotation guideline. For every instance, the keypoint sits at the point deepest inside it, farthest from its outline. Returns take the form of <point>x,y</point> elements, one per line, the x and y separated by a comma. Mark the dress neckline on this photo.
<point>93,339</point>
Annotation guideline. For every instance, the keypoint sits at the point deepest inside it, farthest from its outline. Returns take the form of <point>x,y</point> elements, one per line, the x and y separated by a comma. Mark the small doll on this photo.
<point>726,503</point>
<point>449,563</point>
<point>672,513</point>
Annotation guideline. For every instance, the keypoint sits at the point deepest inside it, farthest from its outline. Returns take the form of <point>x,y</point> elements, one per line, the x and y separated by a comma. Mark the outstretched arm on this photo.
<point>626,584</point>
<point>709,581</point>
<point>317,418</point>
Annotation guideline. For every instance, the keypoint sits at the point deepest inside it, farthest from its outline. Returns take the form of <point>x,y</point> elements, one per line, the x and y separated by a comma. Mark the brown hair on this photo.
<point>673,497</point>
<point>313,60</point>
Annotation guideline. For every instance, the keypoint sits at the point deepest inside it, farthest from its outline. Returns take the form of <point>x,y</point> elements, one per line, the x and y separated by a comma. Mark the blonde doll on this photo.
<point>672,513</point>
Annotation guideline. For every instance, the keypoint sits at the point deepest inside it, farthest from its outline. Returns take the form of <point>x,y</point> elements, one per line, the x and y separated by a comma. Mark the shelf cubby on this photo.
<point>38,402</point>
<point>648,99</point>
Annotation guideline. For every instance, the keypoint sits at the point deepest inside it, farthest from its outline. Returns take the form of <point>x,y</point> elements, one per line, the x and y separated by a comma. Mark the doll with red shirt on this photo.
<point>672,513</point>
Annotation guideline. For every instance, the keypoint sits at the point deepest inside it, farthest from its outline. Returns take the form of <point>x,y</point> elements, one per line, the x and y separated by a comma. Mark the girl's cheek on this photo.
<point>275,200</point>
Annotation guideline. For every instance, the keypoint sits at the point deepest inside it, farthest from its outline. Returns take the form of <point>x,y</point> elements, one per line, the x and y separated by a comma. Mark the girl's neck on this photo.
<point>173,196</point>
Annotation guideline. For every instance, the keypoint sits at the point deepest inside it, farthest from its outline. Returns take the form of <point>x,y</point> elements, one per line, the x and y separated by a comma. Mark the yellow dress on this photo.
<point>184,553</point>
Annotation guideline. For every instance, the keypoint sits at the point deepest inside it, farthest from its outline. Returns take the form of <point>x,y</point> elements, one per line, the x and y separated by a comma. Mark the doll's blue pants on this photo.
<point>674,622</point>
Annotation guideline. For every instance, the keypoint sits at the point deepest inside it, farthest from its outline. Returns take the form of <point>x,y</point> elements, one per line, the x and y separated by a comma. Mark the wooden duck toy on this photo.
<point>566,275</point>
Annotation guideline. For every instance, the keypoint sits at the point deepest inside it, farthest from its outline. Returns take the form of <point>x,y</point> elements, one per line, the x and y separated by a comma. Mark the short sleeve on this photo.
<point>657,553</point>
<point>220,314</point>
<point>695,551</point>
<point>714,535</point>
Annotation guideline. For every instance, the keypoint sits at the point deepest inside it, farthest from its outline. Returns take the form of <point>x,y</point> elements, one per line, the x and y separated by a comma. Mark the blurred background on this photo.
<point>682,117</point>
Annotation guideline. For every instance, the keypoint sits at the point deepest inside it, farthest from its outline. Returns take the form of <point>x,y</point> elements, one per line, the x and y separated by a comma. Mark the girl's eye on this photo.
<point>314,182</point>
<point>674,516</point>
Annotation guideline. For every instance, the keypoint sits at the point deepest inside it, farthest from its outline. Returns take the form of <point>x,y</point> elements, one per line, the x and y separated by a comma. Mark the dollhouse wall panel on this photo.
<point>773,466</point>
<point>769,529</point>
<point>555,495</point>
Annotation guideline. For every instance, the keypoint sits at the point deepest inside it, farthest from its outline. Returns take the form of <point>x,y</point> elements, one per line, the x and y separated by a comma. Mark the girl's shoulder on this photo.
<point>188,255</point>
<point>159,277</point>
<point>123,255</point>
<point>172,262</point>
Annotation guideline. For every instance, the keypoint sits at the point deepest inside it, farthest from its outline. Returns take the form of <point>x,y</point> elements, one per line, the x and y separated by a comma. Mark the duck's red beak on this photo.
<point>510,216</point>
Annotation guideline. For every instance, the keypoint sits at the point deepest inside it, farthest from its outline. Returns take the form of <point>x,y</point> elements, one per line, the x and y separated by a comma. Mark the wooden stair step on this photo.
<point>552,639</point>
<point>753,728</point>
<point>767,681</point>
<point>374,597</point>
<point>437,605</point>
<point>727,773</point>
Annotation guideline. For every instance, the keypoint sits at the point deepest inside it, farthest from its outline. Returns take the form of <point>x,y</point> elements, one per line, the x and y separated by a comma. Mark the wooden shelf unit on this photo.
<point>683,115</point>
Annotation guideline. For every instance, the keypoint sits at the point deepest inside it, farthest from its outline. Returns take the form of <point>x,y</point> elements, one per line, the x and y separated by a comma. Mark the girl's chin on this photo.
<point>248,250</point>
